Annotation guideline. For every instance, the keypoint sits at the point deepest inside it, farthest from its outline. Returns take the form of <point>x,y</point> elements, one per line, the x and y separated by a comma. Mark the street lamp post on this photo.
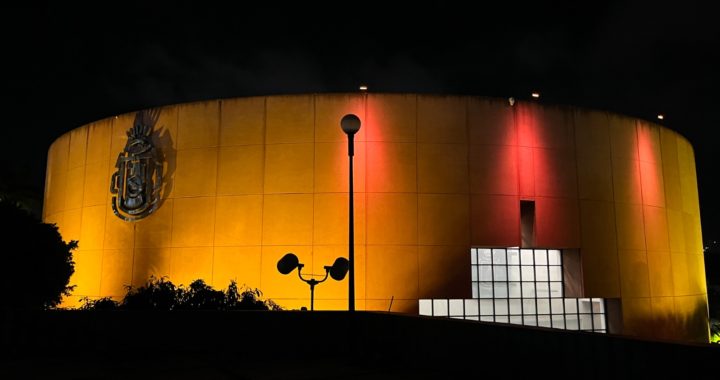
<point>350,124</point>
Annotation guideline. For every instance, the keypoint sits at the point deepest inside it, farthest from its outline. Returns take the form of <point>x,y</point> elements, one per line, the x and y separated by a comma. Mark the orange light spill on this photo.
<point>651,180</point>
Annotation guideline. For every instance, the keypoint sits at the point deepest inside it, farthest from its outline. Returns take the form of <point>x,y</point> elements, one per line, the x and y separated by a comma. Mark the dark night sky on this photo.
<point>66,65</point>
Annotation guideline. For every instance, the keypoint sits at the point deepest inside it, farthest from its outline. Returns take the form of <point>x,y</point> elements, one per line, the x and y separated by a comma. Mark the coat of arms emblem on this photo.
<point>136,183</point>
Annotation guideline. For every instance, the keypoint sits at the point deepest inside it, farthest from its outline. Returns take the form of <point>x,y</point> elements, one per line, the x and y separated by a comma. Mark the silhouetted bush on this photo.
<point>249,299</point>
<point>105,303</point>
<point>161,294</point>
<point>200,296</point>
<point>37,263</point>
<point>156,294</point>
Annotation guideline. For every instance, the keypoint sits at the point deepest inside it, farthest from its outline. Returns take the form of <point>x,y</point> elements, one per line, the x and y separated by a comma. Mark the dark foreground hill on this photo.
<point>321,345</point>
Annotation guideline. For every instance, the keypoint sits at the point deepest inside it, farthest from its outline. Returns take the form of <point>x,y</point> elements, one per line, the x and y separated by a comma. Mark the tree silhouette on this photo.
<point>37,263</point>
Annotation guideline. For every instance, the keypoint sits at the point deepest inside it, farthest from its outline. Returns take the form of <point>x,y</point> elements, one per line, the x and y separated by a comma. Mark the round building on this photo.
<point>518,213</point>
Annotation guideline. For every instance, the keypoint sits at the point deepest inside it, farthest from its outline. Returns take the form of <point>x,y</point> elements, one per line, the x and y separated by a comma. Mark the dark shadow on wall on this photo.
<point>149,231</point>
<point>447,275</point>
<point>678,326</point>
<point>167,155</point>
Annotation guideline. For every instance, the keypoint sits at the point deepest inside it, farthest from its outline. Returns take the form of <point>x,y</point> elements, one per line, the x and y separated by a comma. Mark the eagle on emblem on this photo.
<point>136,183</point>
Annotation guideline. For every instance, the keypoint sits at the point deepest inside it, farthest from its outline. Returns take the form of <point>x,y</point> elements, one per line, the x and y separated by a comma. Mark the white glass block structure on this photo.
<point>520,286</point>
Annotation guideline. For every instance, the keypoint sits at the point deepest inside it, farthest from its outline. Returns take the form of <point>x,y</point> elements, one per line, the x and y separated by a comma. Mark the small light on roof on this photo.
<point>661,117</point>
<point>363,87</point>
<point>535,95</point>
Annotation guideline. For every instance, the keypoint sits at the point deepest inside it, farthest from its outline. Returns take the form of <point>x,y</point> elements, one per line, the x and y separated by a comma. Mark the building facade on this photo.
<point>221,190</point>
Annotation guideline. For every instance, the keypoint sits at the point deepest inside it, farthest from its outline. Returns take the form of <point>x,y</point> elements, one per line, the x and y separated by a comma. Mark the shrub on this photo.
<point>200,296</point>
<point>105,303</point>
<point>249,299</point>
<point>156,294</point>
<point>161,294</point>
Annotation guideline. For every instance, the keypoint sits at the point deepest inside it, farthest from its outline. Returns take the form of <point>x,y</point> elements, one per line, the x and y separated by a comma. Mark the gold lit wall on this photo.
<point>250,179</point>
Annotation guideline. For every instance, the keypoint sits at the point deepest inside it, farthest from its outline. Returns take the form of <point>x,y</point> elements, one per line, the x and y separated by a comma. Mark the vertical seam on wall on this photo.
<point>614,208</point>
<point>417,198</point>
<point>134,233</point>
<point>642,208</point>
<point>313,194</point>
<point>67,171</point>
<point>82,204</point>
<point>132,247</point>
<point>108,159</point>
<point>174,199</point>
<point>365,197</point>
<point>132,266</point>
<point>518,195</point>
<point>172,219</point>
<point>262,184</point>
<point>217,182</point>
<point>113,121</point>
<point>85,164</point>
<point>667,217</point>
<point>577,196</point>
<point>468,145</point>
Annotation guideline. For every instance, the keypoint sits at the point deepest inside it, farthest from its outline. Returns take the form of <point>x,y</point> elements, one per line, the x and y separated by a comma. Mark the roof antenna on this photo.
<point>391,301</point>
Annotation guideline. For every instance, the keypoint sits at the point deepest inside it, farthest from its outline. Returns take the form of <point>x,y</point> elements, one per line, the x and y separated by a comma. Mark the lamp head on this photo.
<point>339,268</point>
<point>288,263</point>
<point>350,124</point>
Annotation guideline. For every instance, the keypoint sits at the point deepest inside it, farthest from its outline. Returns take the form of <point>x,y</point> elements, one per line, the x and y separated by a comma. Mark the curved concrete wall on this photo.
<point>250,179</point>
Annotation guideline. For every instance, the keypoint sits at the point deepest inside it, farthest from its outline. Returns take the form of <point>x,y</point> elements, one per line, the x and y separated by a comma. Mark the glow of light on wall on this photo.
<point>526,122</point>
<point>650,175</point>
<point>506,165</point>
<point>378,157</point>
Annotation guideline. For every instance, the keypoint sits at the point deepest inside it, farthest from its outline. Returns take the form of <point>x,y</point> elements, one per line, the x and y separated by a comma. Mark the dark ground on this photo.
<point>322,345</point>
